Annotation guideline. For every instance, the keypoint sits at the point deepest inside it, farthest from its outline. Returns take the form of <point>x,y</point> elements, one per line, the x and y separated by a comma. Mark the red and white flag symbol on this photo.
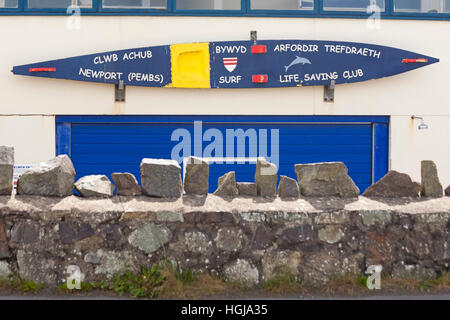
<point>230,63</point>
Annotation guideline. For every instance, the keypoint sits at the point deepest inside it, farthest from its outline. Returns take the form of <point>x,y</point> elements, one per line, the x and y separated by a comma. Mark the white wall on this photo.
<point>409,145</point>
<point>420,92</point>
<point>33,137</point>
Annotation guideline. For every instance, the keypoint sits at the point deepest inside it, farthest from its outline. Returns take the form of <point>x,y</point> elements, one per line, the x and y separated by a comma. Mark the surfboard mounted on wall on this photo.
<point>235,64</point>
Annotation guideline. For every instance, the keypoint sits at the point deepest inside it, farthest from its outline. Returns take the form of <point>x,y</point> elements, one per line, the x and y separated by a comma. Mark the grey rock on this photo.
<point>416,246</point>
<point>111,263</point>
<point>217,218</point>
<point>375,217</point>
<point>6,169</point>
<point>323,265</point>
<point>35,266</point>
<point>253,216</point>
<point>440,219</point>
<point>126,184</point>
<point>111,232</point>
<point>94,257</point>
<point>266,178</point>
<point>339,217</point>
<point>413,271</point>
<point>247,189</point>
<point>380,248</point>
<point>280,262</point>
<point>263,238</point>
<point>286,217</point>
<point>301,233</point>
<point>169,216</point>
<point>161,178</point>
<point>325,180</point>
<point>440,251</point>
<point>150,237</point>
<point>4,248</point>
<point>331,234</point>
<point>230,239</point>
<point>5,270</point>
<point>394,185</point>
<point>288,188</point>
<point>25,232</point>
<point>243,272</point>
<point>227,185</point>
<point>52,178</point>
<point>197,242</point>
<point>447,191</point>
<point>431,187</point>
<point>95,186</point>
<point>196,177</point>
<point>70,232</point>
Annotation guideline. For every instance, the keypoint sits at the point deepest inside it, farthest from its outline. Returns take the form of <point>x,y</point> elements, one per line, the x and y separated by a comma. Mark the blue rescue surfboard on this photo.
<point>235,64</point>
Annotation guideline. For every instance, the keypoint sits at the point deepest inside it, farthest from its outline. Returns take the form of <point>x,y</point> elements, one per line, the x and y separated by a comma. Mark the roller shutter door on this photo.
<point>102,145</point>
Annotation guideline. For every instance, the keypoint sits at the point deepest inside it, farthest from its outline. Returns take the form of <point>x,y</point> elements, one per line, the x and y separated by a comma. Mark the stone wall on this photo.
<point>242,239</point>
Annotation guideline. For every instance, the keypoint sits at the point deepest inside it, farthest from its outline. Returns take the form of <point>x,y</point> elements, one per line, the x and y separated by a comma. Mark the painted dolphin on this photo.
<point>298,60</point>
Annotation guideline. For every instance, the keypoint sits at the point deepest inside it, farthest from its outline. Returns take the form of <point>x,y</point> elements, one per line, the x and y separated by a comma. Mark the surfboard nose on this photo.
<point>411,61</point>
<point>433,60</point>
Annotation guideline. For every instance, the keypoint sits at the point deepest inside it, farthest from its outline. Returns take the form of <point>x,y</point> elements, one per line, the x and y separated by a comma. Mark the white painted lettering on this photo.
<point>102,75</point>
<point>135,55</point>
<point>320,76</point>
<point>231,49</point>
<point>230,79</point>
<point>366,52</point>
<point>296,47</point>
<point>289,78</point>
<point>106,58</point>
<point>145,77</point>
<point>350,74</point>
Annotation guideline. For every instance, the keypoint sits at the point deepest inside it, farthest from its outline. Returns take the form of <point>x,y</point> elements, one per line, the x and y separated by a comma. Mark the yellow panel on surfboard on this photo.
<point>190,65</point>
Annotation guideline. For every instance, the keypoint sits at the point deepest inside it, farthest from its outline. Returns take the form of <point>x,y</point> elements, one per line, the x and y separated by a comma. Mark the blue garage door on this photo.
<point>107,144</point>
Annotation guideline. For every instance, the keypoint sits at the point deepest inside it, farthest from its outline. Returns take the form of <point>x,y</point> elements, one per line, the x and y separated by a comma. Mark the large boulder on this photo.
<point>447,191</point>
<point>431,187</point>
<point>227,185</point>
<point>288,188</point>
<point>196,177</point>
<point>394,185</point>
<point>247,189</point>
<point>52,178</point>
<point>161,178</point>
<point>6,169</point>
<point>95,186</point>
<point>266,178</point>
<point>126,184</point>
<point>325,179</point>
